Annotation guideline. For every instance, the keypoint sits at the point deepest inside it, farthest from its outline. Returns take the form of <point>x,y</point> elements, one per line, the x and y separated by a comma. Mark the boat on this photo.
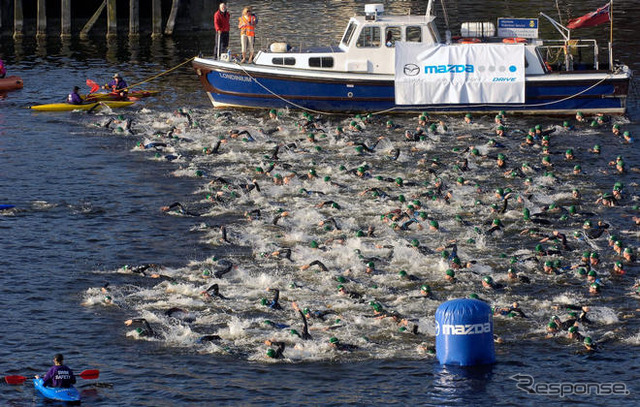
<point>11,83</point>
<point>66,107</point>
<point>133,94</point>
<point>386,64</point>
<point>70,394</point>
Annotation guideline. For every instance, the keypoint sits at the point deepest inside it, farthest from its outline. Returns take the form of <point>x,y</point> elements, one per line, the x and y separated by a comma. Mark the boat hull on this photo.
<point>251,86</point>
<point>11,83</point>
<point>65,107</point>
<point>70,394</point>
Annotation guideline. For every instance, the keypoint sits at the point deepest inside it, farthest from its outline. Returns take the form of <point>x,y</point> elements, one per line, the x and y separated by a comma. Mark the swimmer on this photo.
<point>273,303</point>
<point>335,343</point>
<point>305,330</point>
<point>213,291</point>
<point>488,283</point>
<point>277,353</point>
<point>350,294</point>
<point>315,263</point>
<point>143,328</point>
<point>178,208</point>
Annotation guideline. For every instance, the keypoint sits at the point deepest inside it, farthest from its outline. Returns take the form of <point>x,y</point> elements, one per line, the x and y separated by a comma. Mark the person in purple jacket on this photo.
<point>59,375</point>
<point>117,85</point>
<point>74,98</point>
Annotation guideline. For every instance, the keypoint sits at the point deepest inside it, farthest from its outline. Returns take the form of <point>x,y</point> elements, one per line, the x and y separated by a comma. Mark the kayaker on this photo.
<point>117,85</point>
<point>74,97</point>
<point>59,375</point>
<point>3,70</point>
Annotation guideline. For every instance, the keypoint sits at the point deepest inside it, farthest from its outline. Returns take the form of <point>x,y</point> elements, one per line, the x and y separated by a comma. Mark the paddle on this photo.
<point>88,374</point>
<point>93,85</point>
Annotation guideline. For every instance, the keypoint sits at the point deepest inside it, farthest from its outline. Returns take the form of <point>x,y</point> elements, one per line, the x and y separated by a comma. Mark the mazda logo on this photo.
<point>411,69</point>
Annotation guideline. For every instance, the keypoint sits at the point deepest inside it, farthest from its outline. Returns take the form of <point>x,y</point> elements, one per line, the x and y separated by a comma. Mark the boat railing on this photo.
<point>571,55</point>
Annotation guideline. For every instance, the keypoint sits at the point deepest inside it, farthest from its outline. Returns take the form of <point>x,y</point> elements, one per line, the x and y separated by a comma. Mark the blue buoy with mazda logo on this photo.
<point>464,333</point>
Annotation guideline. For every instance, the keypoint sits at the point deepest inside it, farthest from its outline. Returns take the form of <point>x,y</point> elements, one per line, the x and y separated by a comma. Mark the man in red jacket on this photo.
<point>221,23</point>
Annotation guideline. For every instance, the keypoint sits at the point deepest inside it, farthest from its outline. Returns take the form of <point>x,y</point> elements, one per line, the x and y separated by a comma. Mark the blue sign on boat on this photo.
<point>518,27</point>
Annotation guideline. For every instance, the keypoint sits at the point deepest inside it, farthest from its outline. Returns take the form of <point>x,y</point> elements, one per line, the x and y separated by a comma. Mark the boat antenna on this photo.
<point>611,35</point>
<point>444,12</point>
<point>559,14</point>
<point>446,20</point>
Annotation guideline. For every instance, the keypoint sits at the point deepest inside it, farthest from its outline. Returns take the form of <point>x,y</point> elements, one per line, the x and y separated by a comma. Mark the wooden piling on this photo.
<point>156,18</point>
<point>171,22</point>
<point>41,19</point>
<point>134,17</point>
<point>84,33</point>
<point>112,19</point>
<point>65,19</point>
<point>18,19</point>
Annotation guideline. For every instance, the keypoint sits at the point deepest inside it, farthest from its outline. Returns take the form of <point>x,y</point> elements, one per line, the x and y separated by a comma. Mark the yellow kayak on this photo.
<point>66,107</point>
<point>133,95</point>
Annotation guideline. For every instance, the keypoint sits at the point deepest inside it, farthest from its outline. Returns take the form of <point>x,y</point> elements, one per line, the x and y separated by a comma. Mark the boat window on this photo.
<point>346,38</point>
<point>414,34</point>
<point>392,34</point>
<point>283,61</point>
<point>321,62</point>
<point>369,37</point>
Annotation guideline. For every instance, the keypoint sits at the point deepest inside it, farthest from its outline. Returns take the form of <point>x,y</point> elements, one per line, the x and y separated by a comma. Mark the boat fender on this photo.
<point>514,40</point>
<point>469,40</point>
<point>279,47</point>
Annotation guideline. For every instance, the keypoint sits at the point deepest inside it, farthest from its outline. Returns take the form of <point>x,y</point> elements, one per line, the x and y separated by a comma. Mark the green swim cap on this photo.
<point>434,223</point>
<point>450,273</point>
<point>415,243</point>
<point>474,296</point>
<point>399,181</point>
<point>582,271</point>
<point>487,279</point>
<point>573,329</point>
<point>627,250</point>
<point>271,353</point>
<point>588,341</point>
<point>468,116</point>
<point>552,325</point>
<point>425,287</point>
<point>402,273</point>
<point>333,339</point>
<point>314,244</point>
<point>565,124</point>
<point>501,156</point>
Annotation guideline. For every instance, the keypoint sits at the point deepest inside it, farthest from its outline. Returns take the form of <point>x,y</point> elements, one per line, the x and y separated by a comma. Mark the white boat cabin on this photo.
<point>368,46</point>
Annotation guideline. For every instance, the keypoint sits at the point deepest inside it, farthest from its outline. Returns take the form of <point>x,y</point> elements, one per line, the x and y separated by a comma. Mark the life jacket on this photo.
<point>249,23</point>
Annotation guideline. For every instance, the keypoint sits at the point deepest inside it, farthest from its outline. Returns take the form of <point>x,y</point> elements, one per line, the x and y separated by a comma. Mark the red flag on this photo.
<point>600,16</point>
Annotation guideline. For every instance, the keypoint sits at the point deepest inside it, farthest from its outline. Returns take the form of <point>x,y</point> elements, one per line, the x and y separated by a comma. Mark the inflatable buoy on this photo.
<point>514,40</point>
<point>279,47</point>
<point>469,40</point>
<point>464,333</point>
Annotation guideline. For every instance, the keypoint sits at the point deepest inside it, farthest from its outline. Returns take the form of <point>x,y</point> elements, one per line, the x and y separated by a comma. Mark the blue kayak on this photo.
<point>6,206</point>
<point>57,393</point>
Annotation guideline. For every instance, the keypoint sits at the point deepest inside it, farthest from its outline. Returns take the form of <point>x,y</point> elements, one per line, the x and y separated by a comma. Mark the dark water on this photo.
<point>89,205</point>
